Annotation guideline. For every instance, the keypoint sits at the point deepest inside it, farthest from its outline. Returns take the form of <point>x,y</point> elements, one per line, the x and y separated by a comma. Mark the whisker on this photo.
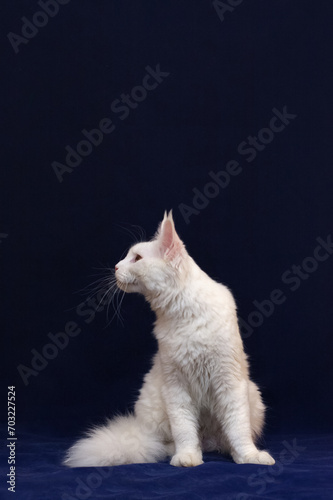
<point>116,306</point>
<point>94,285</point>
<point>137,233</point>
<point>107,292</point>
<point>104,287</point>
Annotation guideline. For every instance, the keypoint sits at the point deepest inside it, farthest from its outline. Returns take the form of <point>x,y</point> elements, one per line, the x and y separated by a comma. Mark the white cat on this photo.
<point>197,396</point>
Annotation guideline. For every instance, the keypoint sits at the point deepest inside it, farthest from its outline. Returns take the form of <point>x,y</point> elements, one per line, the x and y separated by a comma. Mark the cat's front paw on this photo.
<point>187,459</point>
<point>257,457</point>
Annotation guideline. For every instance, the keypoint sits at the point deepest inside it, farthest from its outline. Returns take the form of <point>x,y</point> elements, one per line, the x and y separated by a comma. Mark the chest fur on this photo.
<point>193,361</point>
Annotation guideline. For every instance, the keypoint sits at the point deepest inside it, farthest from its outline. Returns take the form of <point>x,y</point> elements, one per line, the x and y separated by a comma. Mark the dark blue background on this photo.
<point>225,78</point>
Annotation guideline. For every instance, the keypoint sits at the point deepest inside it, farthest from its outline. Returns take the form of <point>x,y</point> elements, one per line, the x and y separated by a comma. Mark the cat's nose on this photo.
<point>116,268</point>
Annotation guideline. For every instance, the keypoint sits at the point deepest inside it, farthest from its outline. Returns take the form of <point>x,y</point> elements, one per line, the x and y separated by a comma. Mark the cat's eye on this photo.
<point>138,257</point>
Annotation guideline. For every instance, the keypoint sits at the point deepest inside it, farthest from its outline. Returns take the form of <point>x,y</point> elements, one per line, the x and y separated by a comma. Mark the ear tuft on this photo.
<point>167,215</point>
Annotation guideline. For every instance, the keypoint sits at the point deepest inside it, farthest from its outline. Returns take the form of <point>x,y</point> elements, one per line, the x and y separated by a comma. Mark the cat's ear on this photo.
<point>170,243</point>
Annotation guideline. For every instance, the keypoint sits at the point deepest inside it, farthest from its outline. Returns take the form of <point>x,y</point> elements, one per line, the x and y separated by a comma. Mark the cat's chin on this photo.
<point>127,287</point>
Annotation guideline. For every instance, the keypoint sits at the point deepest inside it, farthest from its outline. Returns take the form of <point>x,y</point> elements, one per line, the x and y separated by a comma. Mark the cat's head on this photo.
<point>155,265</point>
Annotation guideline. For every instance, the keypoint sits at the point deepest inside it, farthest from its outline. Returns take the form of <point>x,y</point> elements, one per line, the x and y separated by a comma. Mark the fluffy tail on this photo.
<point>123,440</point>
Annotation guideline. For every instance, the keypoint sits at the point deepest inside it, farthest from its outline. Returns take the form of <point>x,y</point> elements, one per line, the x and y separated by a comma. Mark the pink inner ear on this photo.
<point>170,241</point>
<point>167,234</point>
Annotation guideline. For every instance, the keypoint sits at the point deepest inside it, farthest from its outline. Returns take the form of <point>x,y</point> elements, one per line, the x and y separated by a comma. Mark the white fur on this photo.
<point>198,395</point>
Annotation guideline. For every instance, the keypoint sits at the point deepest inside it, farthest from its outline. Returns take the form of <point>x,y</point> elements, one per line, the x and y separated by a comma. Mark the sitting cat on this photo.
<point>197,396</point>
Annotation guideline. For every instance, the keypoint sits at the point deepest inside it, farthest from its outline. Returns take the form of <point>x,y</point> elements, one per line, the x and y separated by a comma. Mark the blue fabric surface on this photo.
<point>303,470</point>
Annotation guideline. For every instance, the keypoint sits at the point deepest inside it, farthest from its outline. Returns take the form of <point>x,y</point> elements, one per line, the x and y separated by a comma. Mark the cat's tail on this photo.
<point>123,440</point>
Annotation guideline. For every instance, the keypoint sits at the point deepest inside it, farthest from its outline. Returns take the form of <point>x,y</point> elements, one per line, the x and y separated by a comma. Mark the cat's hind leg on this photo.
<point>257,410</point>
<point>150,408</point>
